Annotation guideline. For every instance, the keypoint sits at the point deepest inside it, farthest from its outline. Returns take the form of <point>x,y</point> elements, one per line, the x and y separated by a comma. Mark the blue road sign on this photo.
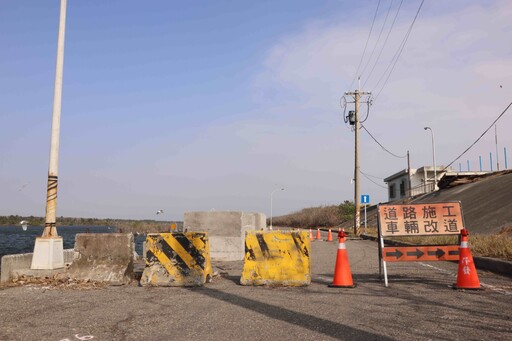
<point>365,199</point>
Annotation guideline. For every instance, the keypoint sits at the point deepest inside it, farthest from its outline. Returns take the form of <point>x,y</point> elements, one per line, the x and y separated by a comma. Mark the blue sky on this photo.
<point>212,105</point>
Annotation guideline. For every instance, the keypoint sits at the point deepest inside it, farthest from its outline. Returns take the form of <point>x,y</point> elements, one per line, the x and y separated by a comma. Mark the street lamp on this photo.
<point>48,249</point>
<point>271,202</point>
<point>433,156</point>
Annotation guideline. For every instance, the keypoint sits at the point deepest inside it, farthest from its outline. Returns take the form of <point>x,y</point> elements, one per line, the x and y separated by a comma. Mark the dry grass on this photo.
<point>322,216</point>
<point>495,246</point>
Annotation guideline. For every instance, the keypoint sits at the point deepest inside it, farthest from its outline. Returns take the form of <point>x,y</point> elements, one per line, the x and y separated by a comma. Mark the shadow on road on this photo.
<point>316,324</point>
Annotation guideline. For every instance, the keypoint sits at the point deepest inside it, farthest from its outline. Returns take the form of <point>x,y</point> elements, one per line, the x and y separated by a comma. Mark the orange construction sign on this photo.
<point>420,253</point>
<point>420,219</point>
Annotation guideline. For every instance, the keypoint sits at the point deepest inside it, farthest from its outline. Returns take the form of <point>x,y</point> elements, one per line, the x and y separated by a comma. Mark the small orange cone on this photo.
<point>467,278</point>
<point>342,274</point>
<point>311,235</point>
<point>329,235</point>
<point>318,235</point>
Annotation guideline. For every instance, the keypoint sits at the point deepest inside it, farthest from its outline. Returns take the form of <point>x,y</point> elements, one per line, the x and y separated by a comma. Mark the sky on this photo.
<point>215,105</point>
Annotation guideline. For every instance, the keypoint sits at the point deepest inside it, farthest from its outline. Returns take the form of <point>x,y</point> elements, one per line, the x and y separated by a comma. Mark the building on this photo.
<point>421,180</point>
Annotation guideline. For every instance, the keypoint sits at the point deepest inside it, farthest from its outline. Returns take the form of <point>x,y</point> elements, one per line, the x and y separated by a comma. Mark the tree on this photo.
<point>346,211</point>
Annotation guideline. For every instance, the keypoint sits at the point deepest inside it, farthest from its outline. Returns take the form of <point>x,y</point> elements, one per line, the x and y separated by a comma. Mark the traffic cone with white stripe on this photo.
<point>467,278</point>
<point>318,235</point>
<point>311,235</point>
<point>342,275</point>
<point>329,235</point>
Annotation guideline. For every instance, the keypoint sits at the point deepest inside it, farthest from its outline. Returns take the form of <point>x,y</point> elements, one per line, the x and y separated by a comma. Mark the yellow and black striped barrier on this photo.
<point>177,259</point>
<point>277,258</point>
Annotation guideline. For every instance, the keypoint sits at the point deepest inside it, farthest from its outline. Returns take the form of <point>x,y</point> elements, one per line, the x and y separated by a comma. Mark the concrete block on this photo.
<point>15,265</point>
<point>48,253</point>
<point>177,260</point>
<point>226,230</point>
<point>277,258</point>
<point>103,257</point>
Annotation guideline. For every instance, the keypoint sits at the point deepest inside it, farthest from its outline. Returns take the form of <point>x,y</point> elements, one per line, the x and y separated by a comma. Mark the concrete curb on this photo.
<point>19,264</point>
<point>498,266</point>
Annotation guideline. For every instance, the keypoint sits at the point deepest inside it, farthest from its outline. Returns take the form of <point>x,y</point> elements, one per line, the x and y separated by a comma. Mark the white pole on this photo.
<point>365,218</point>
<point>271,203</point>
<point>497,154</point>
<point>433,156</point>
<point>384,262</point>
<point>49,248</point>
<point>50,229</point>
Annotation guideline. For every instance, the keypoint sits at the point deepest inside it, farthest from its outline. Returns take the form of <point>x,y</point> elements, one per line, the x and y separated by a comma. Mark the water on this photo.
<point>14,240</point>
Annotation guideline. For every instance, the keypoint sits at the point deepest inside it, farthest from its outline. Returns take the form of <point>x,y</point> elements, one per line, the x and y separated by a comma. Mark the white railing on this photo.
<point>421,189</point>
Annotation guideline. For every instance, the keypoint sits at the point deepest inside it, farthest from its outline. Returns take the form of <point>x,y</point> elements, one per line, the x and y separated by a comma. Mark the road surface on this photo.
<point>418,305</point>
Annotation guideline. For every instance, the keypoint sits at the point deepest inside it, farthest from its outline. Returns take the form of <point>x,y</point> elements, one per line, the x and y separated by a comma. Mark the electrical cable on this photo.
<point>471,146</point>
<point>372,180</point>
<point>384,45</point>
<point>478,139</point>
<point>378,38</point>
<point>368,103</point>
<point>397,156</point>
<point>365,45</point>
<point>373,176</point>
<point>398,53</point>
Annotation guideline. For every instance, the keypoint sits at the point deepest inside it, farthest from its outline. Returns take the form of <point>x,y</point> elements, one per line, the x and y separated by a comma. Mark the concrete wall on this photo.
<point>12,264</point>
<point>226,230</point>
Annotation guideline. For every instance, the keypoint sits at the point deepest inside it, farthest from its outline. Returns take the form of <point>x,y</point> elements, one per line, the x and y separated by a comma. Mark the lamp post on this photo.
<point>271,202</point>
<point>433,156</point>
<point>48,249</point>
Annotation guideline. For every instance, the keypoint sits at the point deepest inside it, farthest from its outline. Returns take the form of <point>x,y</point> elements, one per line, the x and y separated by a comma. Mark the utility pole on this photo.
<point>357,216</point>
<point>409,176</point>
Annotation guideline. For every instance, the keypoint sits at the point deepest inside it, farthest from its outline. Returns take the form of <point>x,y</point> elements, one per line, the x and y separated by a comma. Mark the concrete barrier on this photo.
<point>103,257</point>
<point>177,259</point>
<point>226,230</point>
<point>277,258</point>
<point>19,264</point>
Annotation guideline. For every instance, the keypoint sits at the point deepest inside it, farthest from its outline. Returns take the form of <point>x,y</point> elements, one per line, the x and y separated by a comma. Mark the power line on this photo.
<point>373,181</point>
<point>397,156</point>
<point>398,53</point>
<point>368,102</point>
<point>385,42</point>
<point>365,45</point>
<point>372,176</point>
<point>478,139</point>
<point>378,38</point>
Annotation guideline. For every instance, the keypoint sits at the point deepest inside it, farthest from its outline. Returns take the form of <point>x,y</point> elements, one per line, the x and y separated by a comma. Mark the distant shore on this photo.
<point>121,225</point>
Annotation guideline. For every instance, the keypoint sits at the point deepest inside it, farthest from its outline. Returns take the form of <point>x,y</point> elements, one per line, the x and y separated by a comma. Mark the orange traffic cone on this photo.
<point>342,274</point>
<point>329,235</point>
<point>318,235</point>
<point>311,235</point>
<point>467,278</point>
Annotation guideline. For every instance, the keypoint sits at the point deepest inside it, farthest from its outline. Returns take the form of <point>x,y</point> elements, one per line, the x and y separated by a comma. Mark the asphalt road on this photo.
<point>418,305</point>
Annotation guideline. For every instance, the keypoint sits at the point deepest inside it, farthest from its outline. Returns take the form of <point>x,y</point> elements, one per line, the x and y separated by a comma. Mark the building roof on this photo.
<point>396,175</point>
<point>452,179</point>
<point>413,171</point>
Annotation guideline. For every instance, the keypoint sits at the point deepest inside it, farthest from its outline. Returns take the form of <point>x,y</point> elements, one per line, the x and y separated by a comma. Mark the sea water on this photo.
<point>13,240</point>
